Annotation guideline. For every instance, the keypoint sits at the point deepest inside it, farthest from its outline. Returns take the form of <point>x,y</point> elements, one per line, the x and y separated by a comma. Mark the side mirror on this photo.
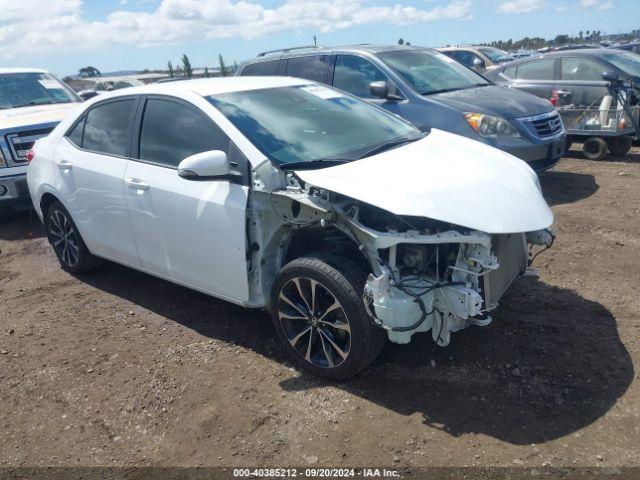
<point>479,64</point>
<point>381,90</point>
<point>213,163</point>
<point>611,77</point>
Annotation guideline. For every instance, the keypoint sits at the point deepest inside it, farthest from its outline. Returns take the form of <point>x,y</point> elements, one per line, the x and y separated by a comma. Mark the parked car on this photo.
<point>101,85</point>
<point>346,222</point>
<point>633,47</point>
<point>430,90</point>
<point>480,58</point>
<point>32,102</point>
<point>590,87</point>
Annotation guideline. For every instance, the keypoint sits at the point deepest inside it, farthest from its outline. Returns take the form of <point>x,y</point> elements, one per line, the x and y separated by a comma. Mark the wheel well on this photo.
<point>46,200</point>
<point>331,240</point>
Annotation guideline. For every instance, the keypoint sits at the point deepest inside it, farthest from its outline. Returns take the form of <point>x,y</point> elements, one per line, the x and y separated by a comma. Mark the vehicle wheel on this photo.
<point>65,239</point>
<point>620,145</point>
<point>594,148</point>
<point>320,317</point>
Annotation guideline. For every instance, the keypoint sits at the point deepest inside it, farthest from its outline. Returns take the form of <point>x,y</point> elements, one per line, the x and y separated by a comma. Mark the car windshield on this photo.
<point>627,62</point>
<point>495,54</point>
<point>27,89</point>
<point>311,124</point>
<point>431,72</point>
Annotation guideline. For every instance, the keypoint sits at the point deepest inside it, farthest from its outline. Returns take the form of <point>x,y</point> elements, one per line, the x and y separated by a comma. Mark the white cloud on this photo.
<point>597,4</point>
<point>60,25</point>
<point>520,6</point>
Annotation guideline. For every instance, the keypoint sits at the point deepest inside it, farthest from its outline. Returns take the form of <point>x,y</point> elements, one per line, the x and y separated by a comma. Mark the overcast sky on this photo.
<point>64,35</point>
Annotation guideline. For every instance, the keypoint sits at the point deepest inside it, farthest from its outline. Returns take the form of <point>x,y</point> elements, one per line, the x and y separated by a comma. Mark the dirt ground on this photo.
<point>120,368</point>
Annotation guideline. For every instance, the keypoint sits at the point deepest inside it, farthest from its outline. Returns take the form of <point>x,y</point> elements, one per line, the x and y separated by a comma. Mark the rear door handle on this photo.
<point>64,165</point>
<point>137,185</point>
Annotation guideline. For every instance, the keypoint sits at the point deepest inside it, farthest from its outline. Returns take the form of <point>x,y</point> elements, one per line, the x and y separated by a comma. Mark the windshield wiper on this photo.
<point>313,164</point>
<point>389,145</point>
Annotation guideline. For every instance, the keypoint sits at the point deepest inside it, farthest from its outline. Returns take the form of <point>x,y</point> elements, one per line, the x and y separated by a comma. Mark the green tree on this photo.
<point>89,72</point>
<point>223,68</point>
<point>170,68</point>
<point>401,41</point>
<point>186,66</point>
<point>206,72</point>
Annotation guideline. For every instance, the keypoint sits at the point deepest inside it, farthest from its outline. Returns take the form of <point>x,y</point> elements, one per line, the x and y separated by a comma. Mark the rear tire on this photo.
<point>320,318</point>
<point>594,148</point>
<point>64,237</point>
<point>620,145</point>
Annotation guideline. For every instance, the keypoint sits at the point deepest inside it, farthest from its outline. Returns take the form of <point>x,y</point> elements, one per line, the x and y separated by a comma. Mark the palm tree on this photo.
<point>186,66</point>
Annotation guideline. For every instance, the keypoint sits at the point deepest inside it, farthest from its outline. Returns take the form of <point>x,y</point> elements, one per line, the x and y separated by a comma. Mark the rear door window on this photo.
<point>172,131</point>
<point>107,127</point>
<point>536,70</point>
<point>260,69</point>
<point>310,67</point>
<point>581,69</point>
<point>354,74</point>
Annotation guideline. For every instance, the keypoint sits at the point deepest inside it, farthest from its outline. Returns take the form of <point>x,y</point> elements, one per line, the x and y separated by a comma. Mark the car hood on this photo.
<point>494,100</point>
<point>38,114</point>
<point>444,177</point>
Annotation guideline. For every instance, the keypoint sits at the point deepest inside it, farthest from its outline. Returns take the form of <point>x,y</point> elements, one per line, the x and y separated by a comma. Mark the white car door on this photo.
<point>91,160</point>
<point>191,231</point>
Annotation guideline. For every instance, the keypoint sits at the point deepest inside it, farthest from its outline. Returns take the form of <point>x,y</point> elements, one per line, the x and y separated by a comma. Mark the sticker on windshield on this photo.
<point>50,84</point>
<point>322,92</point>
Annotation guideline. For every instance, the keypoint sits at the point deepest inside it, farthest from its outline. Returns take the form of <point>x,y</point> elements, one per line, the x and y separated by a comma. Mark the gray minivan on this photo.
<point>430,90</point>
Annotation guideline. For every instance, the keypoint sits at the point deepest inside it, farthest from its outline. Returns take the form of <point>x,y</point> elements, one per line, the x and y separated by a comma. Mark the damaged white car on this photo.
<point>346,222</point>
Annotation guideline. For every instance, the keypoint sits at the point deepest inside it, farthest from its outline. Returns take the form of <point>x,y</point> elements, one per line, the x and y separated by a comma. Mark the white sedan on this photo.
<point>346,222</point>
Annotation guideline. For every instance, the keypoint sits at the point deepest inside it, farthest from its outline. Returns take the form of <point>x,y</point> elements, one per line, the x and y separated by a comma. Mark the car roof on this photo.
<point>586,52</point>
<point>450,49</point>
<point>320,50</point>
<point>582,52</point>
<point>209,86</point>
<point>21,70</point>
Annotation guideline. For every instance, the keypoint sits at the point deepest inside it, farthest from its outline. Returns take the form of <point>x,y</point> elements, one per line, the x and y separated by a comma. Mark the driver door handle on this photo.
<point>64,165</point>
<point>137,185</point>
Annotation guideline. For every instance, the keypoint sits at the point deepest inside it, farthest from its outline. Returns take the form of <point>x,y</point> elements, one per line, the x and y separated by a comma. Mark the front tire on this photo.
<point>320,317</point>
<point>594,148</point>
<point>64,237</point>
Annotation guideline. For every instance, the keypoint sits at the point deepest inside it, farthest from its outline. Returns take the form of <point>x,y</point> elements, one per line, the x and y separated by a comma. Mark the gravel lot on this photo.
<point>119,368</point>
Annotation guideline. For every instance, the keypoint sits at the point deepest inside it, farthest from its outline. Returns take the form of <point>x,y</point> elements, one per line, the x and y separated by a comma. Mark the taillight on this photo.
<point>30,156</point>
<point>554,98</point>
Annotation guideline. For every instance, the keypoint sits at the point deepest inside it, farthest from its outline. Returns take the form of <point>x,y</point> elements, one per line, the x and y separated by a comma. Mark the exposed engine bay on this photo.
<point>424,274</point>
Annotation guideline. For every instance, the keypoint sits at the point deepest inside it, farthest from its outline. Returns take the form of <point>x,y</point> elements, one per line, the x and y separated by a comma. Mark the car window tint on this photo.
<point>75,135</point>
<point>262,68</point>
<point>581,69</point>
<point>464,57</point>
<point>354,74</point>
<point>172,131</point>
<point>311,68</point>
<point>536,70</point>
<point>107,127</point>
